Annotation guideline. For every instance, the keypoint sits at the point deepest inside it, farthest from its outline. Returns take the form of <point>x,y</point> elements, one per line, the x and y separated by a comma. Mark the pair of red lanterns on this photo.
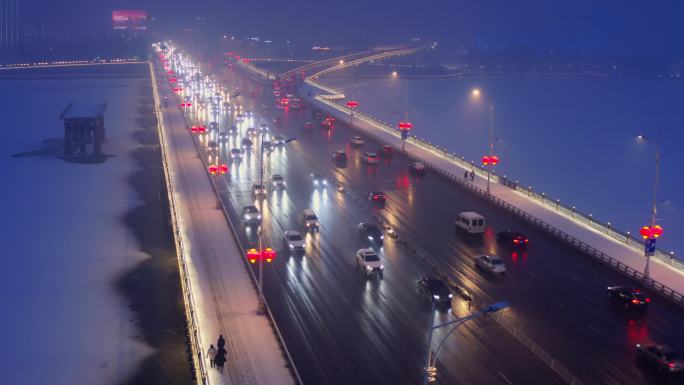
<point>352,104</point>
<point>218,169</point>
<point>268,255</point>
<point>487,160</point>
<point>651,232</point>
<point>405,126</point>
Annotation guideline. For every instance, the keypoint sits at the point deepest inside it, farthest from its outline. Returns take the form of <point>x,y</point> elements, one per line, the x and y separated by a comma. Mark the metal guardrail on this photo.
<point>664,290</point>
<point>281,341</point>
<point>188,300</point>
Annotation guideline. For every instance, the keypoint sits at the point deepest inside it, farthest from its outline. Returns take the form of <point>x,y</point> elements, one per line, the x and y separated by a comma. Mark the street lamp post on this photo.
<point>267,253</point>
<point>492,159</point>
<point>653,231</point>
<point>431,359</point>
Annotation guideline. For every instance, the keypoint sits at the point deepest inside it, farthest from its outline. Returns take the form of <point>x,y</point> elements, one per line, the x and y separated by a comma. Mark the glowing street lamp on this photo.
<point>492,159</point>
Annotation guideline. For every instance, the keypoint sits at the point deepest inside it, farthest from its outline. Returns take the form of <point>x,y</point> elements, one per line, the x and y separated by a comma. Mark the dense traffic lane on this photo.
<point>341,327</point>
<point>559,294</point>
<point>351,329</point>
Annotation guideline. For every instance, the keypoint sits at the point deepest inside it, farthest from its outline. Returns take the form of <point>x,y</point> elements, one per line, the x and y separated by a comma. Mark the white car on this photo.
<point>491,263</point>
<point>356,141</point>
<point>369,261</point>
<point>293,240</point>
<point>278,181</point>
<point>236,153</point>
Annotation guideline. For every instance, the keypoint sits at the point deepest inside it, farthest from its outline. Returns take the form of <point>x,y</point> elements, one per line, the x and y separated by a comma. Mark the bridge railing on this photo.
<point>568,211</point>
<point>571,212</point>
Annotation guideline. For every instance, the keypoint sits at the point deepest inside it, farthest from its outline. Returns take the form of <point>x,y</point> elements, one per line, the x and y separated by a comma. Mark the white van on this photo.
<point>471,222</point>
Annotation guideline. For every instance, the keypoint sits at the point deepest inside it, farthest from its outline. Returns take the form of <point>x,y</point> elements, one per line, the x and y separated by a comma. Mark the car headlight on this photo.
<point>246,216</point>
<point>308,225</point>
<point>315,182</point>
<point>451,295</point>
<point>382,237</point>
<point>369,268</point>
<point>370,238</point>
<point>435,296</point>
<point>291,246</point>
<point>259,216</point>
<point>325,182</point>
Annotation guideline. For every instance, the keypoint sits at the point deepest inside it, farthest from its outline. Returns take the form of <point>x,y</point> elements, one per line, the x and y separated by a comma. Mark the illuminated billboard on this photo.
<point>129,19</point>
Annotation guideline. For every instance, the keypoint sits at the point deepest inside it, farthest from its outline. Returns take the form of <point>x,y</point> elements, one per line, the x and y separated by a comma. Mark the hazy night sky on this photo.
<point>580,25</point>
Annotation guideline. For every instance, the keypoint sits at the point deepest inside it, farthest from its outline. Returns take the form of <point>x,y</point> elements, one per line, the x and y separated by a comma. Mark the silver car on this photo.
<point>491,263</point>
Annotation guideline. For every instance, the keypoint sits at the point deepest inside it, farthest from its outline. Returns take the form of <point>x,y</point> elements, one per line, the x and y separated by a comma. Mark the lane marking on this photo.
<point>590,326</point>
<point>505,378</point>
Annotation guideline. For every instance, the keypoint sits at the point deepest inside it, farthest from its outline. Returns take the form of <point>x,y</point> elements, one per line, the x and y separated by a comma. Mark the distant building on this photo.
<point>10,24</point>
<point>129,20</point>
<point>83,125</point>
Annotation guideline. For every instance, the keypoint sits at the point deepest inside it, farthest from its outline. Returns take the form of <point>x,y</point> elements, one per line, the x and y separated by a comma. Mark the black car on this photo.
<point>628,296</point>
<point>512,239</point>
<point>434,289</point>
<point>339,156</point>
<point>376,197</point>
<point>319,180</point>
<point>386,151</point>
<point>371,232</point>
<point>662,357</point>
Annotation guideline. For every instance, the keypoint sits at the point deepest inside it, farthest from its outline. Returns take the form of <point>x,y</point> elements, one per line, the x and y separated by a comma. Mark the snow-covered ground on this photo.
<point>64,240</point>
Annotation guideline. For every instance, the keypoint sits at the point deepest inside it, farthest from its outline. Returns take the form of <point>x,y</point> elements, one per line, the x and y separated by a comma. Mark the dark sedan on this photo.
<point>661,356</point>
<point>629,297</point>
<point>512,239</point>
<point>434,289</point>
<point>371,232</point>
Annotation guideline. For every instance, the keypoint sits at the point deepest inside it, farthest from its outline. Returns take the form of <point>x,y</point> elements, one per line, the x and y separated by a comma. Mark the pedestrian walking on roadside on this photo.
<point>465,175</point>
<point>220,359</point>
<point>221,342</point>
<point>211,355</point>
<point>472,175</point>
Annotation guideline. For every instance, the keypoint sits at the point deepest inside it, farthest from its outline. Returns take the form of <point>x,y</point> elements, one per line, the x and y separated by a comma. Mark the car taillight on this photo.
<point>635,301</point>
<point>648,300</point>
<point>671,364</point>
<point>526,240</point>
<point>516,241</point>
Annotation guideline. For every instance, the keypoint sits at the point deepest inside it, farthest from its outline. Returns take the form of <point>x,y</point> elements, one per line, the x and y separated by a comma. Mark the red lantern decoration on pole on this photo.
<point>253,255</point>
<point>213,169</point>
<point>223,169</point>
<point>352,104</point>
<point>269,254</point>
<point>405,127</point>
<point>651,232</point>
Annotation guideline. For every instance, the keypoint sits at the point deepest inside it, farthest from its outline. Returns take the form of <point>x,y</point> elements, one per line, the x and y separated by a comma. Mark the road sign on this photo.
<point>404,135</point>
<point>650,246</point>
